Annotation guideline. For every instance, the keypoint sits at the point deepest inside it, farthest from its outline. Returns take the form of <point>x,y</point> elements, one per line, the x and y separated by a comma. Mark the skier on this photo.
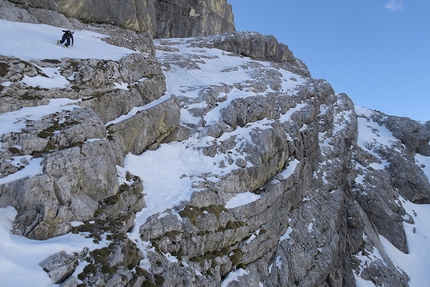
<point>66,38</point>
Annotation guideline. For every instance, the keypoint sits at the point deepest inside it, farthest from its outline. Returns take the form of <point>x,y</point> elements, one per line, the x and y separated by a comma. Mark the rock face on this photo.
<point>163,19</point>
<point>323,194</point>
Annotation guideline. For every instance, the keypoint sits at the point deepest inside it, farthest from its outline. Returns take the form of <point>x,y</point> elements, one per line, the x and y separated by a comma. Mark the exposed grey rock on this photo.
<point>70,282</point>
<point>322,204</point>
<point>162,19</point>
<point>148,126</point>
<point>412,134</point>
<point>258,47</point>
<point>12,13</point>
<point>59,267</point>
<point>48,4</point>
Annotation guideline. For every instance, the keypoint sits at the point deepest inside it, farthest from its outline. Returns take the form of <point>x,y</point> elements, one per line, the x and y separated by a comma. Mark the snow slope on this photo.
<point>169,173</point>
<point>19,256</point>
<point>417,263</point>
<point>38,41</point>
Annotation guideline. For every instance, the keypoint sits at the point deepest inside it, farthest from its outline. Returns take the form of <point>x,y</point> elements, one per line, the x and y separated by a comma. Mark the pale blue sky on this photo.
<point>376,51</point>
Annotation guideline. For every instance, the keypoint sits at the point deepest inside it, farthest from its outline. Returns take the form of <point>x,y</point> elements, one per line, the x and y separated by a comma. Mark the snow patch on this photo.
<point>234,276</point>
<point>242,199</point>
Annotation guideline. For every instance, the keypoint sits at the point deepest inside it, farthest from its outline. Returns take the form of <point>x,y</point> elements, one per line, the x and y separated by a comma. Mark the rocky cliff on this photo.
<point>272,178</point>
<point>161,18</point>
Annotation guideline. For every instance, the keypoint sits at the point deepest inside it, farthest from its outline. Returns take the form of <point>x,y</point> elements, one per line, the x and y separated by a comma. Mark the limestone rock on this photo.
<point>323,199</point>
<point>59,267</point>
<point>258,47</point>
<point>162,19</point>
<point>70,282</point>
<point>148,126</point>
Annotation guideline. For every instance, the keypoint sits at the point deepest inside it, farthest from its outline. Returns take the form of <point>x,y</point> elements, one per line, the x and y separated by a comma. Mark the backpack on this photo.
<point>68,33</point>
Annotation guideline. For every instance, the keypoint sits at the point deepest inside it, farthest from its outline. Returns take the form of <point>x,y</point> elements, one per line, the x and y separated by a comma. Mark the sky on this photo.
<point>185,165</point>
<point>375,51</point>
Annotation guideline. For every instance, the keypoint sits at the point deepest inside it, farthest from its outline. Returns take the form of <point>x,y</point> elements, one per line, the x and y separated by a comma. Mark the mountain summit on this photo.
<point>214,159</point>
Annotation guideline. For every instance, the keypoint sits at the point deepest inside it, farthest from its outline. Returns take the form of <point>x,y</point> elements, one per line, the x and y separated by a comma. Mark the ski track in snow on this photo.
<point>169,172</point>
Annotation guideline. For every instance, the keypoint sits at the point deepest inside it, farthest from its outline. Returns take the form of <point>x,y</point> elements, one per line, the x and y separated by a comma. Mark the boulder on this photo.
<point>59,267</point>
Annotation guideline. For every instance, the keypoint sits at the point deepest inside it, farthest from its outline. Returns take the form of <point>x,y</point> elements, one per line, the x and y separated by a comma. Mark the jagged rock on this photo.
<point>322,201</point>
<point>59,267</point>
<point>191,19</point>
<point>412,134</point>
<point>161,18</point>
<point>145,83</point>
<point>70,282</point>
<point>258,47</point>
<point>111,266</point>
<point>148,126</point>
<point>90,168</point>
<point>48,4</point>
<point>12,13</point>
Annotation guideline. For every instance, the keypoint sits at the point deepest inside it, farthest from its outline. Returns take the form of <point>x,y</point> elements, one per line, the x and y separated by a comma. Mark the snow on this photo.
<point>234,276</point>
<point>15,121</point>
<point>370,131</point>
<point>242,199</point>
<point>310,227</point>
<point>417,262</point>
<point>20,257</point>
<point>286,235</point>
<point>32,169</point>
<point>371,135</point>
<point>279,262</point>
<point>135,110</point>
<point>170,174</point>
<point>360,282</point>
<point>291,168</point>
<point>423,161</point>
<point>38,41</point>
<point>217,69</point>
<point>166,189</point>
<point>54,79</point>
<point>368,257</point>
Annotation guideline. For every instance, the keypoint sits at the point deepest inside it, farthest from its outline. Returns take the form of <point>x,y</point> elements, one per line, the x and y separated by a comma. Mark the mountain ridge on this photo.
<point>330,186</point>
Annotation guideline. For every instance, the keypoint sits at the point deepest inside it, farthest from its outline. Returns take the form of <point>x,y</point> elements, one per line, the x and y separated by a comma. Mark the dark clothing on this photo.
<point>66,38</point>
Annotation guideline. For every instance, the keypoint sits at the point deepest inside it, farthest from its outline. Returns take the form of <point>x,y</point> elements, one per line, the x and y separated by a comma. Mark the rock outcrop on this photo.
<point>322,195</point>
<point>162,19</point>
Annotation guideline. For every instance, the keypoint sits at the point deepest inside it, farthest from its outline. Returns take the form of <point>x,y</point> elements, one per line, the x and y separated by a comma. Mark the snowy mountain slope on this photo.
<point>38,41</point>
<point>19,255</point>
<point>185,160</point>
<point>415,263</point>
<point>265,146</point>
